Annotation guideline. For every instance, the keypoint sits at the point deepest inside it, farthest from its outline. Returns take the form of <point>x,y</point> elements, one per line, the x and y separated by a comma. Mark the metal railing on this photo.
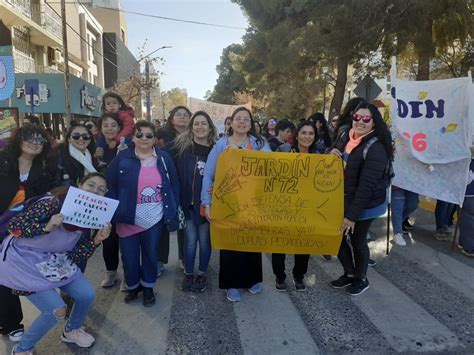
<point>48,70</point>
<point>23,62</point>
<point>23,6</point>
<point>46,18</point>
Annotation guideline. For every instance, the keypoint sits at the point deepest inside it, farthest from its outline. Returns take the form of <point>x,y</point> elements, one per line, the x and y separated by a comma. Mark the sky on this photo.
<point>196,49</point>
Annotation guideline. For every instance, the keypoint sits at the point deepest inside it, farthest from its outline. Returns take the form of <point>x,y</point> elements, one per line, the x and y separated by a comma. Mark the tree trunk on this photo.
<point>340,88</point>
<point>424,47</point>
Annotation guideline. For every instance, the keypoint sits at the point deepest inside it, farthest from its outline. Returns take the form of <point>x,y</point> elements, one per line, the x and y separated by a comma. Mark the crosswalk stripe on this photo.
<point>404,323</point>
<point>269,323</point>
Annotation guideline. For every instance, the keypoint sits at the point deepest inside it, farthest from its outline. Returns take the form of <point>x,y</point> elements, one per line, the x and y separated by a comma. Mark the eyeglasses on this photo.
<point>35,140</point>
<point>84,136</point>
<point>89,126</point>
<point>94,187</point>
<point>146,136</point>
<point>365,118</point>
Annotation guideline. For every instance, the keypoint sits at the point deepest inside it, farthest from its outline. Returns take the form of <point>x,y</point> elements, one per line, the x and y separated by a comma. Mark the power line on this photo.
<point>165,17</point>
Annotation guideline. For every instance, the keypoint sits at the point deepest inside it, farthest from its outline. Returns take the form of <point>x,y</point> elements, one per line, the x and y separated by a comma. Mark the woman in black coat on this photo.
<point>367,155</point>
<point>24,173</point>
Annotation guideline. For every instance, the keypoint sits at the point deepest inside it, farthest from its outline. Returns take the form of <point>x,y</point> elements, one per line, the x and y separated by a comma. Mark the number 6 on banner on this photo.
<point>419,142</point>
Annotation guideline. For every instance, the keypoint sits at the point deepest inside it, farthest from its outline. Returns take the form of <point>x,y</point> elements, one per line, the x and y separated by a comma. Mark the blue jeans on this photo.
<point>49,301</point>
<point>443,213</point>
<point>140,257</point>
<point>466,235</point>
<point>404,203</point>
<point>192,234</point>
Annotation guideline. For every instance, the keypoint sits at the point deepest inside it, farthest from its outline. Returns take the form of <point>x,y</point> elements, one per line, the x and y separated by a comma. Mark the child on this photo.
<point>111,102</point>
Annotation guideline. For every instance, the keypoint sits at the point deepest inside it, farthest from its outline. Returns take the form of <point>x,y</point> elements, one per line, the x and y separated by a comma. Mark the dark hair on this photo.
<point>252,132</point>
<point>122,104</point>
<point>323,131</point>
<point>90,176</point>
<point>25,132</point>
<point>300,126</point>
<point>111,115</point>
<point>35,120</point>
<point>143,124</point>
<point>91,120</point>
<point>265,125</point>
<point>380,128</point>
<point>284,124</point>
<point>256,123</point>
<point>169,122</point>
<point>74,125</point>
<point>345,117</point>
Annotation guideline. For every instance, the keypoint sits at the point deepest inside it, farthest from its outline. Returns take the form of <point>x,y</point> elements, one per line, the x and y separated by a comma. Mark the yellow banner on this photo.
<point>277,202</point>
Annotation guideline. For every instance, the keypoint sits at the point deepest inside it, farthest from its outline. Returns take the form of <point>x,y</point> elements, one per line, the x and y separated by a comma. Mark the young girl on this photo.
<point>41,255</point>
<point>113,103</point>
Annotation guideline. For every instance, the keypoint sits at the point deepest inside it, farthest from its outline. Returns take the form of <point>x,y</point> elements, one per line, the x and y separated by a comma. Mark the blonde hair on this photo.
<point>185,140</point>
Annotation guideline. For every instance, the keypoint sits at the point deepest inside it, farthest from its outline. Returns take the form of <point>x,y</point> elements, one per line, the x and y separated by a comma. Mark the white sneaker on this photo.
<point>109,279</point>
<point>399,240</point>
<point>79,337</point>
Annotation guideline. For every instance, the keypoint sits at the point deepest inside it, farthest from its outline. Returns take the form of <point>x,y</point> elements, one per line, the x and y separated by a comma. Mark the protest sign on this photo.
<point>277,202</point>
<point>432,136</point>
<point>218,112</point>
<point>8,120</point>
<point>87,210</point>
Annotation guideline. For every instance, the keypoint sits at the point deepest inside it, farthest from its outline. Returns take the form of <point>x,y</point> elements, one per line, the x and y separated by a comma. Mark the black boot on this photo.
<point>148,297</point>
<point>132,294</point>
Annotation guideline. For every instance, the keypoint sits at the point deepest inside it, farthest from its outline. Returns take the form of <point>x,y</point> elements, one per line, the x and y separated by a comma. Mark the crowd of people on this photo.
<point>163,179</point>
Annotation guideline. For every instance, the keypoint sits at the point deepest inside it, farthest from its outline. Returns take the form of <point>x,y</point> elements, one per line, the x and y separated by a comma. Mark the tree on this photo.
<point>229,81</point>
<point>172,98</point>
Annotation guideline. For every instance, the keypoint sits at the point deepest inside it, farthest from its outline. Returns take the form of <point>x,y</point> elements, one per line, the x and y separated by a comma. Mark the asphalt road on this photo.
<point>421,299</point>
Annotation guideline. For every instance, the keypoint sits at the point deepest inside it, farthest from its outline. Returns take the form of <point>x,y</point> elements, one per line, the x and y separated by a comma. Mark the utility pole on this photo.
<point>67,91</point>
<point>148,98</point>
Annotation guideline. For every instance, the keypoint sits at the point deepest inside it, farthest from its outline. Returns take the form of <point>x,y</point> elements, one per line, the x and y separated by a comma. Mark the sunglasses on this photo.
<point>146,136</point>
<point>84,136</point>
<point>365,118</point>
<point>35,140</point>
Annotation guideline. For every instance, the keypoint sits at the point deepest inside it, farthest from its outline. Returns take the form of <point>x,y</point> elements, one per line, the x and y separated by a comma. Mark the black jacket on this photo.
<point>342,138</point>
<point>70,171</point>
<point>40,178</point>
<point>364,180</point>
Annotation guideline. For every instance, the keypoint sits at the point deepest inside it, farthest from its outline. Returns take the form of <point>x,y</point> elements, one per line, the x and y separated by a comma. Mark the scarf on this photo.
<point>84,158</point>
<point>354,142</point>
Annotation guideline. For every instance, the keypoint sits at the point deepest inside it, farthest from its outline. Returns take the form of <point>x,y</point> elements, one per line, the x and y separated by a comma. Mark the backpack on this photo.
<point>13,211</point>
<point>389,173</point>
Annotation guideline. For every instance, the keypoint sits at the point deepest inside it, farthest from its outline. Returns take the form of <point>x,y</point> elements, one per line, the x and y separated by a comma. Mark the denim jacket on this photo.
<point>122,181</point>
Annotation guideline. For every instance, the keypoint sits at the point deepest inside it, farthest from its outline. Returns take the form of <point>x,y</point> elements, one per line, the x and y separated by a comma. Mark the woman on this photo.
<point>177,123</point>
<point>333,126</point>
<point>145,182</point>
<point>305,142</point>
<point>76,156</point>
<point>24,173</point>
<point>323,139</point>
<point>283,131</point>
<point>91,125</point>
<point>237,269</point>
<point>345,124</point>
<point>110,126</point>
<point>191,150</point>
<point>367,155</point>
<point>40,255</point>
<point>269,128</point>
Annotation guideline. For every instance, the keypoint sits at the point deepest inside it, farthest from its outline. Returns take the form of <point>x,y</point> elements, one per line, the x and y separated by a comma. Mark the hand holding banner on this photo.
<point>87,210</point>
<point>277,202</point>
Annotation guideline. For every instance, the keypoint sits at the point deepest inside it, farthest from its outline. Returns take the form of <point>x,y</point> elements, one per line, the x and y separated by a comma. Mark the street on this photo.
<point>421,299</point>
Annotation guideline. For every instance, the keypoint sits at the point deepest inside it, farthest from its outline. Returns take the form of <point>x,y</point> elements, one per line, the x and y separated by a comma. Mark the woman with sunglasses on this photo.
<point>76,155</point>
<point>190,151</point>
<point>237,269</point>
<point>25,172</point>
<point>177,123</point>
<point>145,181</point>
<point>367,156</point>
<point>42,254</point>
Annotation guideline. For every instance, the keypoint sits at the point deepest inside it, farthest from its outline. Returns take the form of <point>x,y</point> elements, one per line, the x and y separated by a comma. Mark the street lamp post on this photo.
<point>147,81</point>
<point>325,73</point>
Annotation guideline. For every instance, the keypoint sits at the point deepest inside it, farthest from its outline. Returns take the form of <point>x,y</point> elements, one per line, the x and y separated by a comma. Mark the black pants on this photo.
<point>110,250</point>
<point>299,270</point>
<point>354,255</point>
<point>164,247</point>
<point>10,311</point>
